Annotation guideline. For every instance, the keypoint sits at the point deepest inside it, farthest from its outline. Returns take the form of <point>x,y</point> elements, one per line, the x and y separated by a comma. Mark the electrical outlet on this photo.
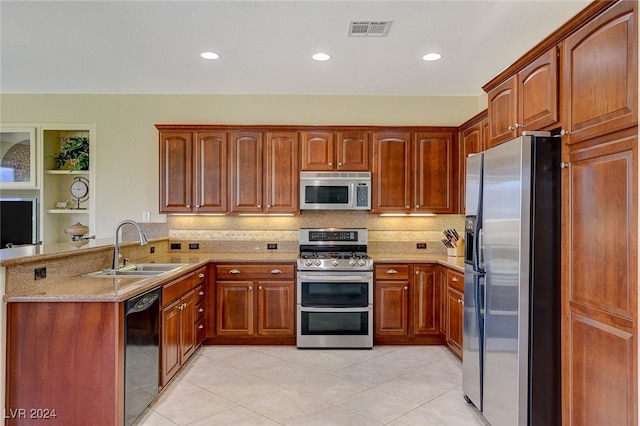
<point>421,246</point>
<point>272,246</point>
<point>176,246</point>
<point>194,246</point>
<point>152,249</point>
<point>146,216</point>
<point>40,273</point>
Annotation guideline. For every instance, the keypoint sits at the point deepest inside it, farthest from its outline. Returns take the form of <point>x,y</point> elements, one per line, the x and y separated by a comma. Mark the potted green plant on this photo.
<point>73,154</point>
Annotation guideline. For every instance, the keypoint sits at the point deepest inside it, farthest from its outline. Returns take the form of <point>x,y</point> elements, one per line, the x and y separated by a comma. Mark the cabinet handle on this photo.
<point>408,206</point>
<point>564,165</point>
<point>197,206</point>
<point>392,271</point>
<point>250,288</point>
<point>201,293</point>
<point>517,126</point>
<point>200,327</point>
<point>268,206</point>
<point>417,272</point>
<point>406,287</point>
<point>460,301</point>
<point>259,287</point>
<point>564,132</point>
<point>454,279</point>
<point>510,128</point>
<point>331,164</point>
<point>201,310</point>
<point>259,206</point>
<point>200,275</point>
<point>417,206</point>
<point>339,164</point>
<point>234,271</point>
<point>276,271</point>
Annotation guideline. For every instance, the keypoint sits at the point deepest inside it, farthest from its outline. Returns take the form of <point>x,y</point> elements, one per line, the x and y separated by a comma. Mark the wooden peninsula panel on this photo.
<point>67,361</point>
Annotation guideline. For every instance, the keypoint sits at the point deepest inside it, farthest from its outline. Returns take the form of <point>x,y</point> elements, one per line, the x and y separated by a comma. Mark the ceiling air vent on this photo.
<point>368,28</point>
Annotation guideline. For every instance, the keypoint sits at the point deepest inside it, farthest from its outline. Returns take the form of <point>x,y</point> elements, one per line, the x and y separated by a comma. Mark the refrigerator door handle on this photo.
<point>479,250</point>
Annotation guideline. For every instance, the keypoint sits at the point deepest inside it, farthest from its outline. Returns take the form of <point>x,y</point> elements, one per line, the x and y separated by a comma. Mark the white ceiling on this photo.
<point>266,46</point>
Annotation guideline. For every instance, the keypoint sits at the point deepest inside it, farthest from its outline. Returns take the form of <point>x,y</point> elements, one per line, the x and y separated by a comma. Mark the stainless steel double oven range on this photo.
<point>335,289</point>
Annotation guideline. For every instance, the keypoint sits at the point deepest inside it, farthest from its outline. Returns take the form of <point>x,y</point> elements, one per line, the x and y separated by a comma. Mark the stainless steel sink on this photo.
<point>137,270</point>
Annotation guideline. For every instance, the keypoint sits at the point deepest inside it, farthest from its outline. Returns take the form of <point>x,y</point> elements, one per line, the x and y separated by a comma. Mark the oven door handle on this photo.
<point>334,310</point>
<point>325,278</point>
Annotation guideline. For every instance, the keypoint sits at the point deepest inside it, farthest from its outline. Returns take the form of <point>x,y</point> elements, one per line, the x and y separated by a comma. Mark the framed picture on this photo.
<point>17,157</point>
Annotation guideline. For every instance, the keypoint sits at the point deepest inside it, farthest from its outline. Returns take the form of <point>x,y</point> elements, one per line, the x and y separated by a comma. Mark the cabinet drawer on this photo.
<point>455,280</point>
<point>201,276</point>
<point>246,271</point>
<point>177,288</point>
<point>200,330</point>
<point>392,272</point>
<point>200,293</point>
<point>199,310</point>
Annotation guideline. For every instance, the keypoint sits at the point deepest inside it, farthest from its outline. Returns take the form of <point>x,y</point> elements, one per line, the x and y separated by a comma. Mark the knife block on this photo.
<point>458,251</point>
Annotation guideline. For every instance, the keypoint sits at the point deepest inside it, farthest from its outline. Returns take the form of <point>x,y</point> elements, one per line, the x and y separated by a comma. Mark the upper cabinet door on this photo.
<point>600,74</point>
<point>246,172</point>
<point>175,172</point>
<point>503,114</point>
<point>210,166</point>
<point>391,173</point>
<point>471,142</point>
<point>282,173</point>
<point>353,151</point>
<point>434,168</point>
<point>318,151</point>
<point>538,92</point>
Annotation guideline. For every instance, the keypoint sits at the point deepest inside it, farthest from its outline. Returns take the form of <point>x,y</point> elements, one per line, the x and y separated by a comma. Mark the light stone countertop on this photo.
<point>88,289</point>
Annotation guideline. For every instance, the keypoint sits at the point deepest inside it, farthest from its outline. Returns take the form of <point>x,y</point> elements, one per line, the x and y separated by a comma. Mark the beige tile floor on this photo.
<point>283,385</point>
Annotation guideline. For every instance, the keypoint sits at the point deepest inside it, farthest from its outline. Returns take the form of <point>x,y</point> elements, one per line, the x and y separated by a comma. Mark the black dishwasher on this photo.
<point>142,352</point>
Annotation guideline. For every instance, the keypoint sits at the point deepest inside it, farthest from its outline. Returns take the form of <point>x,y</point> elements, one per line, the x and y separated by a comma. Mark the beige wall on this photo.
<point>127,149</point>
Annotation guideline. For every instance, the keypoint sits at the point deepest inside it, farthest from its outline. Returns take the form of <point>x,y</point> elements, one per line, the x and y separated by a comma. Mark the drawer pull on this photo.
<point>392,271</point>
<point>406,287</point>
<point>234,271</point>
<point>259,287</point>
<point>200,327</point>
<point>200,275</point>
<point>250,288</point>
<point>454,279</point>
<point>201,310</point>
<point>276,271</point>
<point>201,293</point>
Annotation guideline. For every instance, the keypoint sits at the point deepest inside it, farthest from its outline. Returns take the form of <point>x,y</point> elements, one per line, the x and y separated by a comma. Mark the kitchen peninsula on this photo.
<point>73,322</point>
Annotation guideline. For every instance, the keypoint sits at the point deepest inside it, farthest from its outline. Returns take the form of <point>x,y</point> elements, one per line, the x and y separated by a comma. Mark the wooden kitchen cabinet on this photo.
<point>435,168</point>
<point>193,171</point>
<point>264,173</point>
<point>255,303</point>
<point>407,304</point>
<point>527,100</point>
<point>391,176</point>
<point>472,141</point>
<point>181,299</point>
<point>453,319</point>
<point>600,75</point>
<point>340,151</point>
<point>414,172</point>
<point>282,183</point>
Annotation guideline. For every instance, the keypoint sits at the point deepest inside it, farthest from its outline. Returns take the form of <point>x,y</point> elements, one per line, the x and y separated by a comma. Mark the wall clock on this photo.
<point>79,191</point>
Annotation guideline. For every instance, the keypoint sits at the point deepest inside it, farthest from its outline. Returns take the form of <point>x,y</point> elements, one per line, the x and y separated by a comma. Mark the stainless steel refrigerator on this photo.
<point>511,340</point>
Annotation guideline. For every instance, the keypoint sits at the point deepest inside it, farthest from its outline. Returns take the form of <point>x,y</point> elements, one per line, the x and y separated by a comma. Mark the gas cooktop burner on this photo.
<point>334,249</point>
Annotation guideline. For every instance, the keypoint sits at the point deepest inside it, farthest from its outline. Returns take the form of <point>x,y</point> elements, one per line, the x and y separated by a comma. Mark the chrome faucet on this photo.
<point>116,242</point>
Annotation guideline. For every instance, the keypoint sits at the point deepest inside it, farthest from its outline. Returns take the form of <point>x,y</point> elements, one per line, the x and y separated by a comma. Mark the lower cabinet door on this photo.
<point>276,308</point>
<point>187,325</point>
<point>170,342</point>
<point>454,314</point>
<point>234,308</point>
<point>391,308</point>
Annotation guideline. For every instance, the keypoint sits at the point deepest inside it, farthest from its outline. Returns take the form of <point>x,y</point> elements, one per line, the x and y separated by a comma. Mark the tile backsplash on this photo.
<point>252,233</point>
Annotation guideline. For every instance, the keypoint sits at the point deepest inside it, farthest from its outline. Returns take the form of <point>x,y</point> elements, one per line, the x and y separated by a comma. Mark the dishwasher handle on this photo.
<point>142,302</point>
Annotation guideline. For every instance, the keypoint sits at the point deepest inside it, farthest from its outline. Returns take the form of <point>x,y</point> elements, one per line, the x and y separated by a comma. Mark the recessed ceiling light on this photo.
<point>431,57</point>
<point>321,57</point>
<point>209,55</point>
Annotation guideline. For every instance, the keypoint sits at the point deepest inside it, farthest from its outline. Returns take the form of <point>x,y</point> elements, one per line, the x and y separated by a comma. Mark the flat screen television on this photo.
<point>18,221</point>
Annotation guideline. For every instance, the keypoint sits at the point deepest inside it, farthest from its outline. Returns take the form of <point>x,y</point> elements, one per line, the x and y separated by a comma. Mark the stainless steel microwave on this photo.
<point>335,191</point>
